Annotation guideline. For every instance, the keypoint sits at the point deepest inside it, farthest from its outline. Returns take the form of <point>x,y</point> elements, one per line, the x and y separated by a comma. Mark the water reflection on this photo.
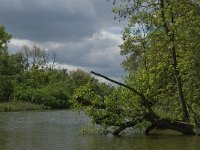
<point>59,130</point>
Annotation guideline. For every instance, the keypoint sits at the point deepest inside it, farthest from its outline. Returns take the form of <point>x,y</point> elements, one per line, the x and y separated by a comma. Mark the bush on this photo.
<point>6,88</point>
<point>52,97</point>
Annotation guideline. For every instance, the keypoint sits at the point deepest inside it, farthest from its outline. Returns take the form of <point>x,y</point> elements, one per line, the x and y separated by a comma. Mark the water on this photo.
<point>59,130</point>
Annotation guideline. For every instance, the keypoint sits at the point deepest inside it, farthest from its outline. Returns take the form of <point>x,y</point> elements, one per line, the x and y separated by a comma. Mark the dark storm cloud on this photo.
<point>54,20</point>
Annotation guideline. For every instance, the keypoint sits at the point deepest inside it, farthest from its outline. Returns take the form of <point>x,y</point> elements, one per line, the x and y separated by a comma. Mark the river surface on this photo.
<point>59,130</point>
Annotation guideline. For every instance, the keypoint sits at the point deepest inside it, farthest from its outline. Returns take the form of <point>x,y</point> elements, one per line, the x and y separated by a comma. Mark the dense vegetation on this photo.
<point>31,75</point>
<point>162,87</point>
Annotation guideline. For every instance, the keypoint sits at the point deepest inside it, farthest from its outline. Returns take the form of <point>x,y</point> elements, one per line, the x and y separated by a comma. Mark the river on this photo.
<point>59,130</point>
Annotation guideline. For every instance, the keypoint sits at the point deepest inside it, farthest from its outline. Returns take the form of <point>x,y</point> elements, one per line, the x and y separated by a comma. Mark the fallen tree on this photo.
<point>150,115</point>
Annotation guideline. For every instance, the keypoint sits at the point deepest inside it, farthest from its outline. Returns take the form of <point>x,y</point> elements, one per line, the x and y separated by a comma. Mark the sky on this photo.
<point>83,33</point>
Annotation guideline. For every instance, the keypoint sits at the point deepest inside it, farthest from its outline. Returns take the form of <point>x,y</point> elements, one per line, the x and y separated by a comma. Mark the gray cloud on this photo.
<point>54,20</point>
<point>82,32</point>
<point>100,52</point>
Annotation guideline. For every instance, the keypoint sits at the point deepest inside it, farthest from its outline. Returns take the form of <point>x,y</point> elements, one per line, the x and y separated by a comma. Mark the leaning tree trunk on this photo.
<point>157,122</point>
<point>150,116</point>
<point>174,59</point>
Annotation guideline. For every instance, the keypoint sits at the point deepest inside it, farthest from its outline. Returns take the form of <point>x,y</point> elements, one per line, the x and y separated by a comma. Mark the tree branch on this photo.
<point>119,83</point>
<point>144,99</point>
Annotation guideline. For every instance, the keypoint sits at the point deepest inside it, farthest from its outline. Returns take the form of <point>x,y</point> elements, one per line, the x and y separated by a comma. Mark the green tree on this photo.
<point>156,30</point>
<point>160,64</point>
<point>4,56</point>
<point>6,87</point>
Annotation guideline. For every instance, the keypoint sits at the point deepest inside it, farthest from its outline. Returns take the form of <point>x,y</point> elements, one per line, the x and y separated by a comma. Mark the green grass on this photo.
<point>19,106</point>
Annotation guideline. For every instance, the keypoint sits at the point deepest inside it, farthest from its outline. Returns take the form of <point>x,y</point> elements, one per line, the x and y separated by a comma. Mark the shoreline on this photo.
<point>14,106</point>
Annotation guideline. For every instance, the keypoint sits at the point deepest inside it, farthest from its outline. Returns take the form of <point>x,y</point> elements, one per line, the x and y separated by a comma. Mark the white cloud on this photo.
<point>104,35</point>
<point>16,44</point>
<point>20,42</point>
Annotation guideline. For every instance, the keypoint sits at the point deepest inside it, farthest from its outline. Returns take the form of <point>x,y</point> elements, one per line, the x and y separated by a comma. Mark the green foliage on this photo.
<point>148,49</point>
<point>30,76</point>
<point>91,129</point>
<point>10,66</point>
<point>107,106</point>
<point>161,46</point>
<point>52,88</point>
<point>6,86</point>
<point>4,38</point>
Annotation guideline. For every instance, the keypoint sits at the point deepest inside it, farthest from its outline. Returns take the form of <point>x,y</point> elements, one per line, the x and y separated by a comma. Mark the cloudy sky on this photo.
<point>83,33</point>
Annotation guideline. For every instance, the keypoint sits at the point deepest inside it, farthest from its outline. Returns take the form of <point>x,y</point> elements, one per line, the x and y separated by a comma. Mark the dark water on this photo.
<point>59,130</point>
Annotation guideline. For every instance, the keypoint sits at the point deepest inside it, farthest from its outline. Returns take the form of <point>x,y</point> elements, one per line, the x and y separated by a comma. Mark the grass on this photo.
<point>19,106</point>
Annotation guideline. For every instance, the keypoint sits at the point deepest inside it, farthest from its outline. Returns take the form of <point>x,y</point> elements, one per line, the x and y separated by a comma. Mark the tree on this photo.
<point>6,87</point>
<point>4,38</point>
<point>161,22</point>
<point>37,58</point>
<point>158,55</point>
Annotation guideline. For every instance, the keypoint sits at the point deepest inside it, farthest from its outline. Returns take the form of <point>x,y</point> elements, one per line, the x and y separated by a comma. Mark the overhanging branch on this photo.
<point>119,83</point>
<point>144,99</point>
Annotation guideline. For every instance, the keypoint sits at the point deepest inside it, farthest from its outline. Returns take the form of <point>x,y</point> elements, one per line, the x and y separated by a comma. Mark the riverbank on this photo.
<point>19,106</point>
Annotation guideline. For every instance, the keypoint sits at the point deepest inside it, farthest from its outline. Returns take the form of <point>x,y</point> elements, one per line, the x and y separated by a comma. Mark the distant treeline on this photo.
<point>31,75</point>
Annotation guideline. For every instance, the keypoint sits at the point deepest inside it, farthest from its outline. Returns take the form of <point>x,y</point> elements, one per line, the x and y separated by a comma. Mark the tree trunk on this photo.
<point>174,59</point>
<point>181,127</point>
